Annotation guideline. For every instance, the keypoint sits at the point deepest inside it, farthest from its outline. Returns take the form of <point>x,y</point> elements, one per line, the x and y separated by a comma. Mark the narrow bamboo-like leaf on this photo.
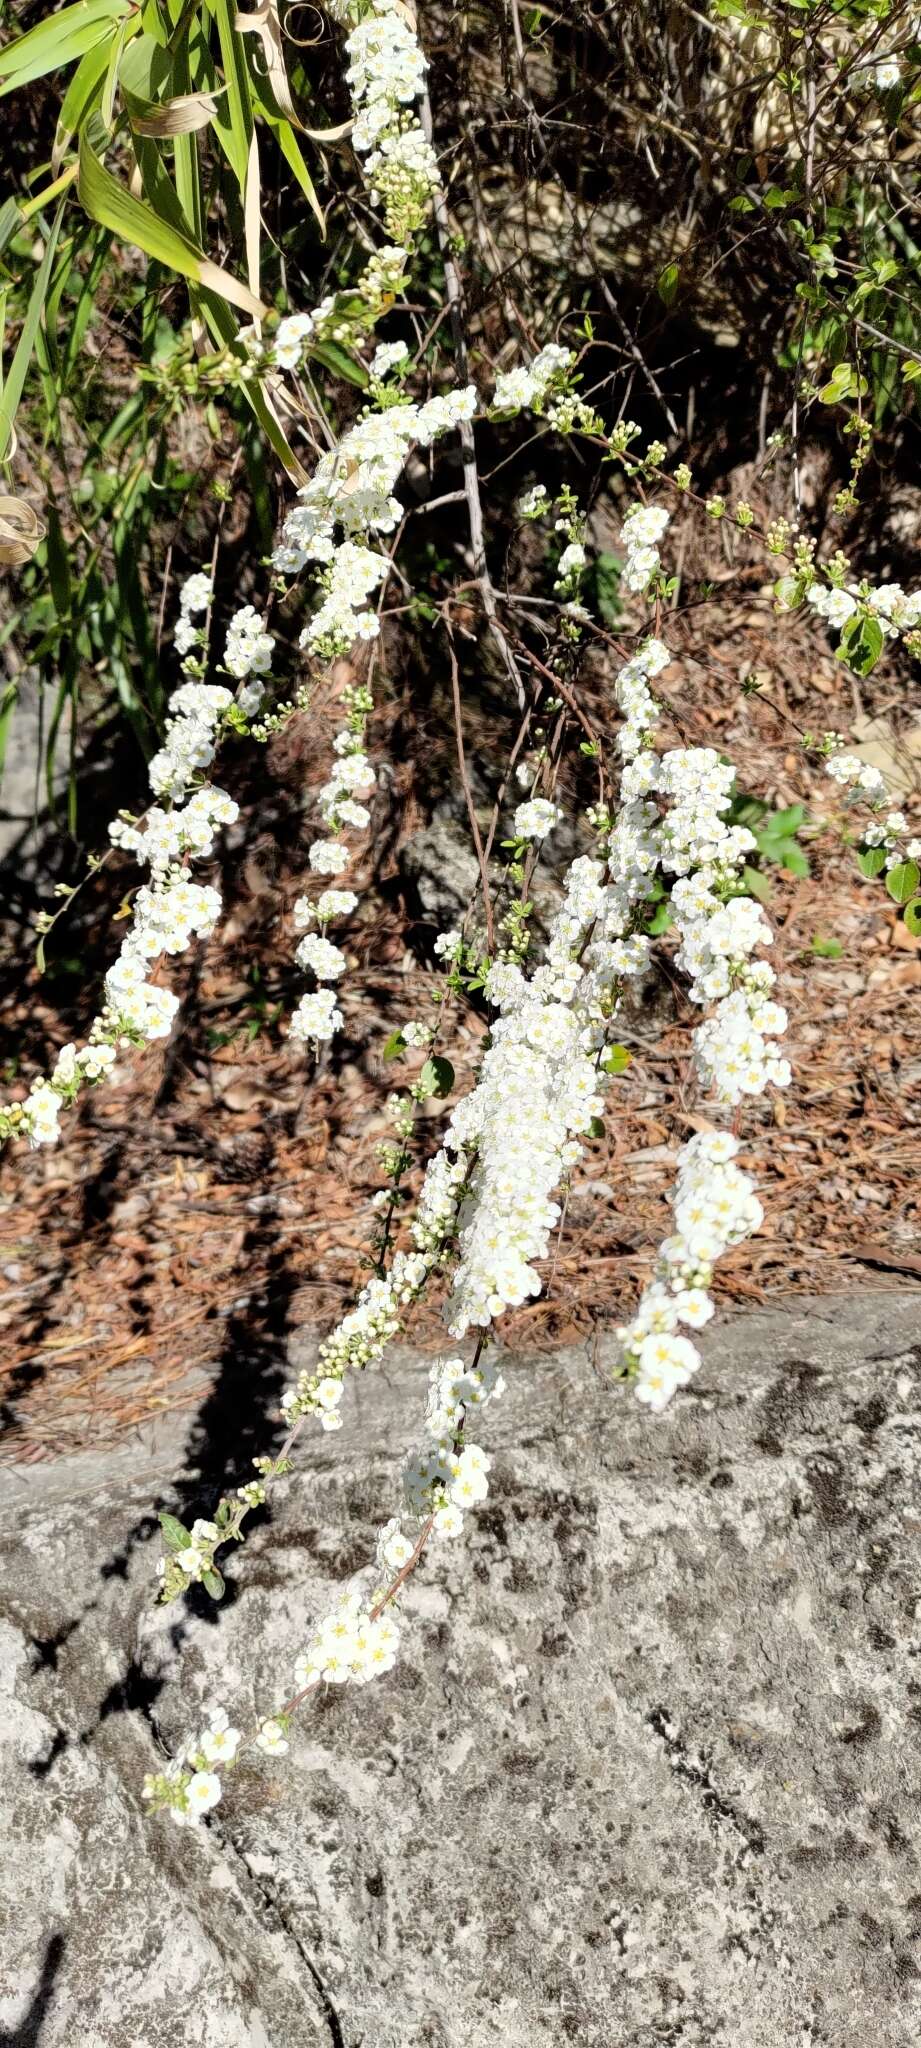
<point>234,123</point>
<point>294,156</point>
<point>339,361</point>
<point>134,221</point>
<point>83,91</point>
<point>110,83</point>
<point>8,703</point>
<point>11,218</point>
<point>57,40</point>
<point>16,377</point>
<point>58,564</point>
<point>145,70</point>
<point>183,115</point>
<point>252,221</point>
<point>224,328</point>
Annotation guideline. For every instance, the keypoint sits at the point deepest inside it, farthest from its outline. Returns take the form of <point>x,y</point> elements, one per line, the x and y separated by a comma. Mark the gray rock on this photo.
<point>442,866</point>
<point>647,1772</point>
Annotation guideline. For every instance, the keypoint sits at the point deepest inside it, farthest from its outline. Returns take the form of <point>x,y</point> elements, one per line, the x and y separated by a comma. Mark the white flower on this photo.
<point>319,954</point>
<point>327,857</point>
<point>271,1739</point>
<point>389,355</point>
<point>195,594</point>
<point>220,1745</point>
<point>316,1017</point>
<point>535,819</point>
<point>202,1792</point>
<point>336,903</point>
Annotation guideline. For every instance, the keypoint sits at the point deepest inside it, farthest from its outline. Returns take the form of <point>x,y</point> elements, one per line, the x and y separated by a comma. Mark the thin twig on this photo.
<point>468,793</point>
<point>455,293</point>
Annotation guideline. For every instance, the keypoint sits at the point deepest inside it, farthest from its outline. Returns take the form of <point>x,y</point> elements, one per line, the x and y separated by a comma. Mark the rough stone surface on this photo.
<point>648,1772</point>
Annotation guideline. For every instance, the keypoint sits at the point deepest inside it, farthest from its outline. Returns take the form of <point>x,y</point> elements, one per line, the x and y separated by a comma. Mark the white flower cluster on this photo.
<point>529,385</point>
<point>715,1206</point>
<point>357,1640</point>
<point>534,503</point>
<point>448,1474</point>
<point>169,911</point>
<point>247,656</point>
<point>718,931</point>
<point>641,531</point>
<point>535,819</point>
<point>857,779</point>
<point>196,708</point>
<point>888,833</point>
<point>895,610</point>
<point>388,357</point>
<point>364,1332</point>
<point>190,1785</point>
<point>349,1646</point>
<point>386,73</point>
<point>537,1088</point>
<point>352,488</point>
<point>317,1017</point>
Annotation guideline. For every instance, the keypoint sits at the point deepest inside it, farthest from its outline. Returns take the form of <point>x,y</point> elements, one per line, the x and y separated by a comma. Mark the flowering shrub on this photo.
<point>660,835</point>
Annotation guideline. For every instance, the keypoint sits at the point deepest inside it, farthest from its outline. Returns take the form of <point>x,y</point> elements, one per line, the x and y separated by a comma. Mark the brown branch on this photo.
<point>468,793</point>
<point>456,306</point>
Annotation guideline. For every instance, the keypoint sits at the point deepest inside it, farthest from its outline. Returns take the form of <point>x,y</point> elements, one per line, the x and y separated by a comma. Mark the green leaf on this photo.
<point>616,1060</point>
<point>791,857</point>
<point>11,220</point>
<point>224,328</point>
<point>58,563</point>
<point>787,821</point>
<point>872,862</point>
<point>911,370</point>
<point>287,140</point>
<point>57,40</point>
<point>291,150</point>
<point>395,1046</point>
<point>912,917</point>
<point>437,1076</point>
<point>826,949</point>
<point>233,123</point>
<point>175,1535</point>
<point>213,1584</point>
<point>756,884</point>
<point>8,703</point>
<point>84,89</point>
<point>902,881</point>
<point>667,284</point>
<point>339,361</point>
<point>110,202</point>
<point>16,376</point>
<point>861,644</point>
